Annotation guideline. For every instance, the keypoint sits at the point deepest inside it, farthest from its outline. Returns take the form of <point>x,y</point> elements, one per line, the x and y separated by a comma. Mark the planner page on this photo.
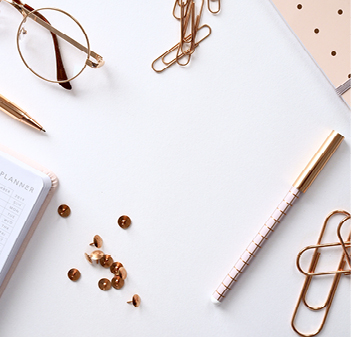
<point>22,192</point>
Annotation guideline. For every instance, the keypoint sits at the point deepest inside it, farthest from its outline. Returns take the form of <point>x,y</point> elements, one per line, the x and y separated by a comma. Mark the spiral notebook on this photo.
<point>25,190</point>
<point>323,28</point>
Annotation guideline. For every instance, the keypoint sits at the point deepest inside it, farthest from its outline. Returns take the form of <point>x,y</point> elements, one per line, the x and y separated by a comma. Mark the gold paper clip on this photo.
<point>189,22</point>
<point>167,64</point>
<point>312,271</point>
<point>177,5</point>
<point>210,7</point>
<point>185,15</point>
<point>197,21</point>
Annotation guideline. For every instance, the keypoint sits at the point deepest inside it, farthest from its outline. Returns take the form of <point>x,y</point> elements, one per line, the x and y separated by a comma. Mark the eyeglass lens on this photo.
<point>43,55</point>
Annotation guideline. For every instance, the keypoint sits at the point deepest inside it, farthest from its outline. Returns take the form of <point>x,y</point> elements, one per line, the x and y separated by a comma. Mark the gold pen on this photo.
<point>302,183</point>
<point>16,112</point>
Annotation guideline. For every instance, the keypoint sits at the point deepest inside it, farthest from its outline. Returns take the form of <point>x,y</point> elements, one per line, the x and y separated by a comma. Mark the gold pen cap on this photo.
<point>316,164</point>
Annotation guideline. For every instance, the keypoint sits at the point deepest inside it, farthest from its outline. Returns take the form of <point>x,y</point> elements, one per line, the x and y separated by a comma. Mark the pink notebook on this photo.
<point>25,191</point>
<point>323,28</point>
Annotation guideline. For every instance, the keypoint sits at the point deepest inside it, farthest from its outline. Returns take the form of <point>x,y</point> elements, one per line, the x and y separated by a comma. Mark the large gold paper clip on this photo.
<point>344,268</point>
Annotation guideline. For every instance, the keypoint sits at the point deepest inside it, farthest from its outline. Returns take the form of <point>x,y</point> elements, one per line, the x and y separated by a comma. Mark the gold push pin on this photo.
<point>64,210</point>
<point>124,221</point>
<point>135,300</point>
<point>74,274</point>
<point>104,284</point>
<point>115,267</point>
<point>97,241</point>
<point>123,273</point>
<point>117,282</point>
<point>96,255</point>
<point>118,269</point>
<point>88,258</point>
<point>106,261</point>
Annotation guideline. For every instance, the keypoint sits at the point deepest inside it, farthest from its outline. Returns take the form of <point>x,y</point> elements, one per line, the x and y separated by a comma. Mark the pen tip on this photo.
<point>43,130</point>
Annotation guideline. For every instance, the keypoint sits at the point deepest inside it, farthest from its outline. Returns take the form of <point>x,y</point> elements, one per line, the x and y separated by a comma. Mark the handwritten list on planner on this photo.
<point>19,190</point>
<point>11,206</point>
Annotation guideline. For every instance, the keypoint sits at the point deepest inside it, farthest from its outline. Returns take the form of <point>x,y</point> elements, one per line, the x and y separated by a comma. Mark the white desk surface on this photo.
<point>198,157</point>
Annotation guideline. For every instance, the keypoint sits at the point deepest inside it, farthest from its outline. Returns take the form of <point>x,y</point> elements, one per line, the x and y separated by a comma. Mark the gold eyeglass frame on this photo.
<point>32,15</point>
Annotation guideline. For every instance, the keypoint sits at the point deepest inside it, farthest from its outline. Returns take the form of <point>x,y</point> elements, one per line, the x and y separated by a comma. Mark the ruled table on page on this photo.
<point>11,206</point>
<point>19,191</point>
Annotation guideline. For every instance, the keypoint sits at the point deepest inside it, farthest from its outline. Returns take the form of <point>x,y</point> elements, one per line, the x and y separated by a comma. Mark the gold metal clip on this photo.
<point>187,14</point>
<point>166,64</point>
<point>210,7</point>
<point>312,271</point>
<point>177,5</point>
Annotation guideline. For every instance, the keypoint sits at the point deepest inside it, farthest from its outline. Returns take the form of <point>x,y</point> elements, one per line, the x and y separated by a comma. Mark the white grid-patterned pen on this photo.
<point>302,183</point>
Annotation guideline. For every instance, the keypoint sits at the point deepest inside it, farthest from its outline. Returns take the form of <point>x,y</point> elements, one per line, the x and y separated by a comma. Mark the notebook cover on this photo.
<point>323,28</point>
<point>54,184</point>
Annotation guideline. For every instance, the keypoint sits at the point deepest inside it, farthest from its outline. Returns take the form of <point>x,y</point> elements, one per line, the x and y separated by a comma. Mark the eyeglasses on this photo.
<point>53,44</point>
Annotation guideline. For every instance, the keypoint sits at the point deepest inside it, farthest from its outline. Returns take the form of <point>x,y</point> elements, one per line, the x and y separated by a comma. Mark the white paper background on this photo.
<point>198,157</point>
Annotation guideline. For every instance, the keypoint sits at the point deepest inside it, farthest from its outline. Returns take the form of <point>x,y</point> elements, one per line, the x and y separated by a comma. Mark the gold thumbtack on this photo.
<point>88,258</point>
<point>106,261</point>
<point>115,267</point>
<point>124,221</point>
<point>135,300</point>
<point>104,284</point>
<point>117,282</point>
<point>64,210</point>
<point>96,255</point>
<point>97,241</point>
<point>123,273</point>
<point>74,274</point>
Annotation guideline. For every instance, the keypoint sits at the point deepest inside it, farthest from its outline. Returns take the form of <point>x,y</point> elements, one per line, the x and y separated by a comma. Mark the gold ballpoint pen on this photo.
<point>301,184</point>
<point>17,113</point>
